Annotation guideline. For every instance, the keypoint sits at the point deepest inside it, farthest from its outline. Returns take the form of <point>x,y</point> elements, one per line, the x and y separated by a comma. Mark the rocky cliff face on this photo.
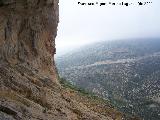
<point>27,32</point>
<point>29,89</point>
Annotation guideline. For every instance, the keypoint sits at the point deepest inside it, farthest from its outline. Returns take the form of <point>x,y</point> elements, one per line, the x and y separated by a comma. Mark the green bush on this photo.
<point>81,91</point>
<point>67,84</point>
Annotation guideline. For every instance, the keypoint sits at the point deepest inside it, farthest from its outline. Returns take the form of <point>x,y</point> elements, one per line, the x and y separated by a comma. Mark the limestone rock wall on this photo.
<point>27,34</point>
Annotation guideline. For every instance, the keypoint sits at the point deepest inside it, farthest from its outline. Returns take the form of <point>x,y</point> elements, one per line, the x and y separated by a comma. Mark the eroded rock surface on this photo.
<point>27,32</point>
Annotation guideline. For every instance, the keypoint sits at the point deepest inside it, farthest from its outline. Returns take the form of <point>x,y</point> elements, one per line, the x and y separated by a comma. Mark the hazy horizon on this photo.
<point>81,25</point>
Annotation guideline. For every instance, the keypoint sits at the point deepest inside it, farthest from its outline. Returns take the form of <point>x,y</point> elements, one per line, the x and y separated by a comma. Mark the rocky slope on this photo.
<point>29,89</point>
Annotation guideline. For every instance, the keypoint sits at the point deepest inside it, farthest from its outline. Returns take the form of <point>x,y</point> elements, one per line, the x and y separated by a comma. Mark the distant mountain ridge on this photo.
<point>125,72</point>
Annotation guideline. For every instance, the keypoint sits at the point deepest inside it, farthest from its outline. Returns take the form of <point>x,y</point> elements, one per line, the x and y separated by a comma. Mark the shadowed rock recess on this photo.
<point>29,89</point>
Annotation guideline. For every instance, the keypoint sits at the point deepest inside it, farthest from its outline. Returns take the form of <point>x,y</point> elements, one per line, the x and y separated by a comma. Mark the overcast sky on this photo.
<point>81,25</point>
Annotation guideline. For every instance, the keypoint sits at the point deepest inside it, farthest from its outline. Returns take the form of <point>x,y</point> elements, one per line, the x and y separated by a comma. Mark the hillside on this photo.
<point>25,95</point>
<point>126,72</point>
<point>29,84</point>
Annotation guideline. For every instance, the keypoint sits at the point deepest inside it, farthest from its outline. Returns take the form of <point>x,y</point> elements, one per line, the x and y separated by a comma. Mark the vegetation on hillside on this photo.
<point>94,102</point>
<point>126,73</point>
